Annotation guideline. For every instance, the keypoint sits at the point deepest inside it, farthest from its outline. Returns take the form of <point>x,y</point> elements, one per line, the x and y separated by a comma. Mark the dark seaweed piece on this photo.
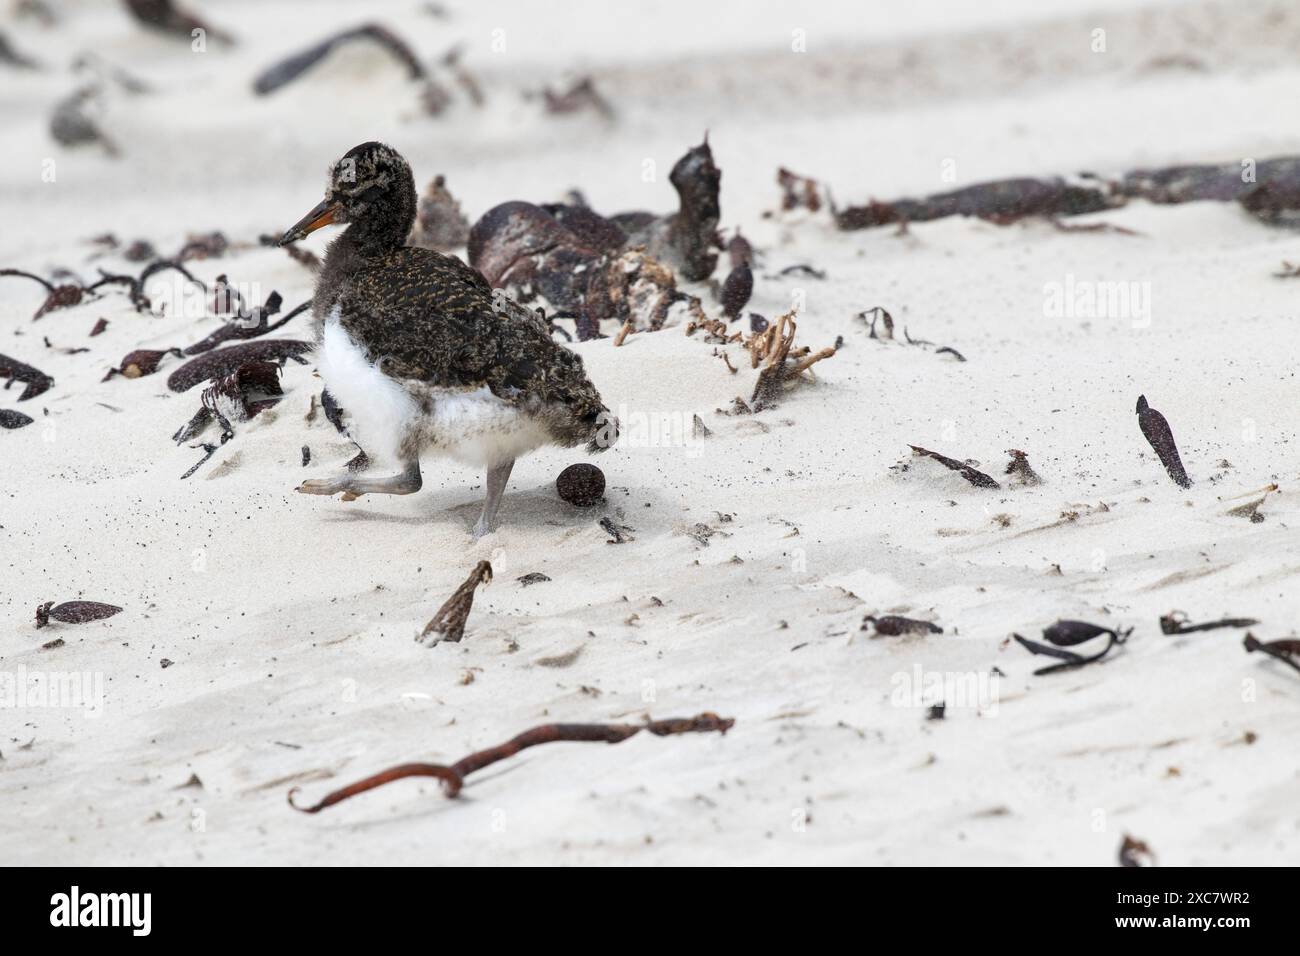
<point>12,57</point>
<point>1286,650</point>
<point>1132,852</point>
<point>582,95</point>
<point>58,297</point>
<point>948,349</point>
<point>296,252</point>
<point>165,17</point>
<point>289,69</point>
<point>449,622</point>
<point>74,612</point>
<point>936,711</point>
<point>692,231</point>
<point>206,245</point>
<point>740,251</point>
<point>36,381</point>
<point>135,289</point>
<point>1001,201</point>
<point>201,420</point>
<point>140,363</point>
<point>221,362</point>
<point>619,533</point>
<point>13,419</point>
<point>1161,437</point>
<point>333,411</point>
<point>1175,622</point>
<point>878,313</point>
<point>737,290</point>
<point>100,325</point>
<point>306,455</point>
<point>803,269</point>
<point>532,577</point>
<point>798,192</point>
<point>1069,658</point>
<point>164,265</point>
<point>453,777</point>
<point>1019,468</point>
<point>209,450</point>
<point>757,323</point>
<point>1069,633</point>
<point>892,625</point>
<point>466,80</point>
<point>440,224</point>
<point>71,125</point>
<point>249,325</point>
<point>975,477</point>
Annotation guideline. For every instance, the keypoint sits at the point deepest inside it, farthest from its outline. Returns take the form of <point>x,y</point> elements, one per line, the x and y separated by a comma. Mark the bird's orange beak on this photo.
<point>323,215</point>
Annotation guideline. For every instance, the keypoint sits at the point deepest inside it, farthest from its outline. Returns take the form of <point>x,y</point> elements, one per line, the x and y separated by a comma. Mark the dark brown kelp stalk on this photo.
<point>1161,437</point>
<point>165,17</point>
<point>222,362</point>
<point>289,69</point>
<point>892,625</point>
<point>74,612</point>
<point>58,296</point>
<point>1286,650</point>
<point>449,622</point>
<point>582,95</point>
<point>250,324</point>
<point>798,192</point>
<point>12,370</point>
<point>1021,472</point>
<point>453,777</point>
<point>974,476</point>
<point>244,393</point>
<point>1175,622</point>
<point>1068,633</point>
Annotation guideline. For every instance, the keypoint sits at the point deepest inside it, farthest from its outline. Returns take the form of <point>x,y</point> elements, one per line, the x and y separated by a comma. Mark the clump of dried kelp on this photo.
<point>1286,650</point>
<point>1161,438</point>
<point>894,625</point>
<point>10,419</point>
<point>798,192</point>
<point>57,297</point>
<point>449,622</point>
<point>140,363</point>
<point>1021,472</point>
<point>165,17</point>
<point>74,612</point>
<point>1064,634</point>
<point>1135,853</point>
<point>1175,622</point>
<point>591,267</point>
<point>247,324</point>
<point>1251,508</point>
<point>581,96</point>
<point>453,776</point>
<point>783,365</point>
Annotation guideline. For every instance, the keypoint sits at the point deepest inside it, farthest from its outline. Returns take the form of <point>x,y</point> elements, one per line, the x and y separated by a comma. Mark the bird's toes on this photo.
<point>319,486</point>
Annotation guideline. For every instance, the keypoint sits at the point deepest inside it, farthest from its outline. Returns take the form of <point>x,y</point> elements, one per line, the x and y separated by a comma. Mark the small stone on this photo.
<point>582,485</point>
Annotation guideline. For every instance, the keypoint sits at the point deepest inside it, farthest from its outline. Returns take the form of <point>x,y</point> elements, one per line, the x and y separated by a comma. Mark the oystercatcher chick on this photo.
<point>421,352</point>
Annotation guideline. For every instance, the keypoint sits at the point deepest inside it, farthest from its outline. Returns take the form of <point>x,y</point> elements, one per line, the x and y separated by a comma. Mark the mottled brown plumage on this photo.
<point>434,327</point>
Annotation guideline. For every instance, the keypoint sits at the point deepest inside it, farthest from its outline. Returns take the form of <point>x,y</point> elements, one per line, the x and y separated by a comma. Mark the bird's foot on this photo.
<point>480,529</point>
<point>324,486</point>
<point>354,486</point>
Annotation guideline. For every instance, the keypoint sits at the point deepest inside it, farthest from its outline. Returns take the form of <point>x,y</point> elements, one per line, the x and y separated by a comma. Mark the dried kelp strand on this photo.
<point>12,57</point>
<point>289,69</point>
<point>893,625</point>
<point>222,362</point>
<point>1133,851</point>
<point>740,251</point>
<point>251,325</point>
<point>974,476</point>
<point>453,777</point>
<point>74,612</point>
<point>532,577</point>
<point>135,290</point>
<point>1069,633</point>
<point>13,419</point>
<point>1020,470</point>
<point>1286,650</point>
<point>449,622</point>
<point>1069,659</point>
<point>37,382</point>
<point>1161,437</point>
<point>737,289</point>
<point>166,17</point>
<point>619,533</point>
<point>1175,622</point>
<point>237,397</point>
<point>171,265</point>
<point>208,451</point>
<point>333,411</point>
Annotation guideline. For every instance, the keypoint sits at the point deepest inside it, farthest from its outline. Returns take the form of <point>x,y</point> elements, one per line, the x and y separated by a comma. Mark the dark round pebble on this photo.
<point>582,485</point>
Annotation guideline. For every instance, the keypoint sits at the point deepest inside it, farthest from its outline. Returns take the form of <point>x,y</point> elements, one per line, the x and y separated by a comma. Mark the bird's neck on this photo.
<point>383,229</point>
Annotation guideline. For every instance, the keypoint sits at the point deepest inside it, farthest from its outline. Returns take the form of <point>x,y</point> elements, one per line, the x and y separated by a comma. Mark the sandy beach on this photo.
<point>266,638</point>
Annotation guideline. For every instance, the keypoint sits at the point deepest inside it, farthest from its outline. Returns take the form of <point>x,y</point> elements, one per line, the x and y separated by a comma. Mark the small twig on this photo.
<point>451,617</point>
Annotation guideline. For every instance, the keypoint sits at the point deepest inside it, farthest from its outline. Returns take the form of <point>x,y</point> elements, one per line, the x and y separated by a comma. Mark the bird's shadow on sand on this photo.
<point>522,508</point>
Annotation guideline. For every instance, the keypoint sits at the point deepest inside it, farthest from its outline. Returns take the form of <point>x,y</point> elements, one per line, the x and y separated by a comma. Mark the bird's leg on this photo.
<point>497,478</point>
<point>406,482</point>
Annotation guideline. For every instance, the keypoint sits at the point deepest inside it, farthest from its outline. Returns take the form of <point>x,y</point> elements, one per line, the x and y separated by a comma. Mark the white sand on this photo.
<point>290,619</point>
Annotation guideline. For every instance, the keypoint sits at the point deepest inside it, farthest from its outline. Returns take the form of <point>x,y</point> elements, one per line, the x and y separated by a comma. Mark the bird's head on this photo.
<point>370,184</point>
